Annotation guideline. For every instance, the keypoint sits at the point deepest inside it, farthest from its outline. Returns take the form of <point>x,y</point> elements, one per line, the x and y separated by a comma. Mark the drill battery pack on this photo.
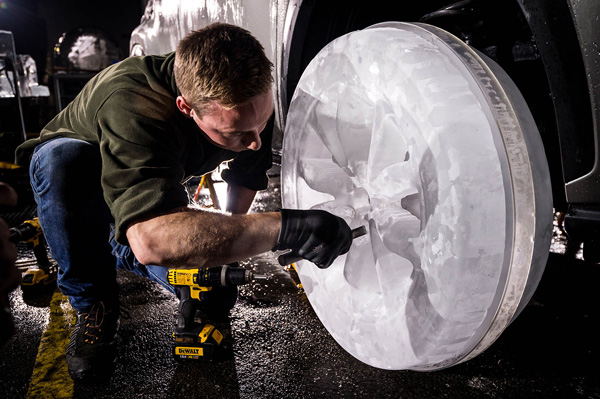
<point>199,343</point>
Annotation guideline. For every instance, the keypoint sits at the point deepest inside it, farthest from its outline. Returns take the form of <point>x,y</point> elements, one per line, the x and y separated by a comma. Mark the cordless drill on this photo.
<point>30,232</point>
<point>200,341</point>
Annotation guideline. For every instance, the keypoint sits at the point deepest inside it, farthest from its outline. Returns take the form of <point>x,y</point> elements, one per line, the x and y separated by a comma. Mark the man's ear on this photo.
<point>183,106</point>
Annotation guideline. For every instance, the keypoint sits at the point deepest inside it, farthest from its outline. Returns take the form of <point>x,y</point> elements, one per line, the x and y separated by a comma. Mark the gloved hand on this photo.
<point>315,235</point>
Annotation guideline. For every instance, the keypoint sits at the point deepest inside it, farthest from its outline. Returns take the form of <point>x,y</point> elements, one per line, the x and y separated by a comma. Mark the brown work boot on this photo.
<point>92,349</point>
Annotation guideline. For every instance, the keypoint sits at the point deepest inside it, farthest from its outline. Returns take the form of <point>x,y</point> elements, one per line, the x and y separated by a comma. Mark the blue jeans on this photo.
<point>77,223</point>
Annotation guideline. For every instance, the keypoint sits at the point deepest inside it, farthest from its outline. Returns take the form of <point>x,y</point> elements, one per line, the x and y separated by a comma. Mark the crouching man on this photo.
<point>107,177</point>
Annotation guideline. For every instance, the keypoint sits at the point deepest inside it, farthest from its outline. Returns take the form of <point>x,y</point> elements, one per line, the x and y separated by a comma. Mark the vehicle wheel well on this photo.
<point>501,31</point>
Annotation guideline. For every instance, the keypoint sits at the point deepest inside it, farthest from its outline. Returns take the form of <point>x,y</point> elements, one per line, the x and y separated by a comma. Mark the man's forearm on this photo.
<point>198,238</point>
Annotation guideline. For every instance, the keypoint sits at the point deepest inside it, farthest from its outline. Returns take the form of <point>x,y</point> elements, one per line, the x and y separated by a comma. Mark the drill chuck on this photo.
<point>225,276</point>
<point>23,232</point>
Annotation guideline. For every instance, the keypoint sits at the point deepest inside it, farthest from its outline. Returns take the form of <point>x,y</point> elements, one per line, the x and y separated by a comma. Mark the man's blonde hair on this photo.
<point>222,63</point>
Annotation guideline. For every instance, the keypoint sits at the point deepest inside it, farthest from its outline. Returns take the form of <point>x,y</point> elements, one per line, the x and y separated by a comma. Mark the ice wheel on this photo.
<point>405,129</point>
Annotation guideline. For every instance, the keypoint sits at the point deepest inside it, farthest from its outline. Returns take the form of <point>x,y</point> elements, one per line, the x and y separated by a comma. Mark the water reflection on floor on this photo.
<point>560,243</point>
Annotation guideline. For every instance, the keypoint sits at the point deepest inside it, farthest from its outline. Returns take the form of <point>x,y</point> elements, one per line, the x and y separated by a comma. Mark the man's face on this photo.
<point>237,129</point>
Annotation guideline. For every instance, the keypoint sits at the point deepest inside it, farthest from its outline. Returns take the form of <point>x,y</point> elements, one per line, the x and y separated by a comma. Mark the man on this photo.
<point>112,162</point>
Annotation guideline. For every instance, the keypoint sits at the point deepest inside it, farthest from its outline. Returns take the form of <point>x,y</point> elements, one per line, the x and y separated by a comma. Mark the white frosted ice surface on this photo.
<point>387,130</point>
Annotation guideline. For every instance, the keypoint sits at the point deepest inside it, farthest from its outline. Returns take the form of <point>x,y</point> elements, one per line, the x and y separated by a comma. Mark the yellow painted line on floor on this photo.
<point>50,378</point>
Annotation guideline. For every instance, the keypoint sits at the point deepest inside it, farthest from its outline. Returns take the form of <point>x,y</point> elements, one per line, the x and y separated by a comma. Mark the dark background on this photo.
<point>38,24</point>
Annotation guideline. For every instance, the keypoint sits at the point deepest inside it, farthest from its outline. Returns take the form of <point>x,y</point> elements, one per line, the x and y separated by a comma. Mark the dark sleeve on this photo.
<point>141,152</point>
<point>250,168</point>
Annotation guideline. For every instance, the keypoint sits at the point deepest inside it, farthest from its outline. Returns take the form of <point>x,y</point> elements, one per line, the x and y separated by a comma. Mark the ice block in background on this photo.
<point>393,127</point>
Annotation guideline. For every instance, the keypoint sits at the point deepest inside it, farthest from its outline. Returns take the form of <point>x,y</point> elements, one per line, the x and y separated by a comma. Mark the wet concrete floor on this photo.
<point>279,349</point>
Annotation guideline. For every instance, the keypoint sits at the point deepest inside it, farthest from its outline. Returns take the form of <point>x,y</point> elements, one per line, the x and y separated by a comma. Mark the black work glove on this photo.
<point>315,235</point>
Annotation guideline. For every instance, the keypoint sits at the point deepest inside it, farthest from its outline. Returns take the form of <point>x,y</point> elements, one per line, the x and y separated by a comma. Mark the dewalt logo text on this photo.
<point>182,351</point>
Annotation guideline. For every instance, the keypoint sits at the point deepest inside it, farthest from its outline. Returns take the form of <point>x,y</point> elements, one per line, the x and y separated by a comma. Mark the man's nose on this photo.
<point>252,141</point>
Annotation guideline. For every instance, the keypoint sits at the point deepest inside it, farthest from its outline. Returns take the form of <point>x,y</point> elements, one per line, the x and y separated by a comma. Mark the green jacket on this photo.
<point>148,146</point>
